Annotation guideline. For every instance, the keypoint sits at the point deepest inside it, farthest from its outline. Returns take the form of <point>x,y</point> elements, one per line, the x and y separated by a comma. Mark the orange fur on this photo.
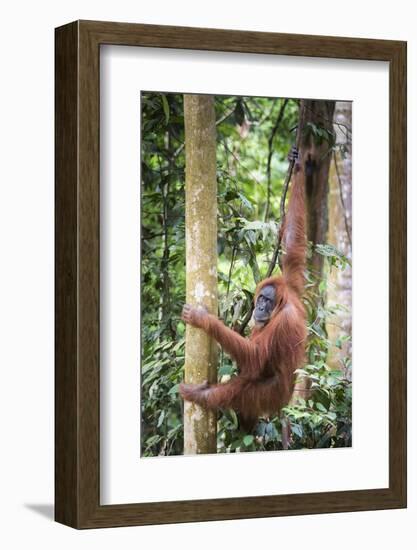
<point>268,358</point>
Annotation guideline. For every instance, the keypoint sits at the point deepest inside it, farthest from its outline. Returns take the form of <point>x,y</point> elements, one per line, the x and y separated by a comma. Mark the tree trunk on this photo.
<point>340,235</point>
<point>201,262</point>
<point>316,157</point>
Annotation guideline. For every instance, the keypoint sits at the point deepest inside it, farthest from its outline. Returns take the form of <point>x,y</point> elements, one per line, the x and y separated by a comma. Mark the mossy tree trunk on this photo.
<point>201,262</point>
<point>339,291</point>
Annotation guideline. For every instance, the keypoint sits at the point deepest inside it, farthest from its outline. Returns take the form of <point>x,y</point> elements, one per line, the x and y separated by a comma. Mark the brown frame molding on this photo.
<point>77,274</point>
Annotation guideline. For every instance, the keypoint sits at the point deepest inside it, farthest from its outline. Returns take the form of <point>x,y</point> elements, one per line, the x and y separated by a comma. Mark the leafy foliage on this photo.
<point>247,232</point>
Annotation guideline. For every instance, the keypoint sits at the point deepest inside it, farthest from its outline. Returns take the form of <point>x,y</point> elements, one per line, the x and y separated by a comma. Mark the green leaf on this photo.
<point>233,417</point>
<point>235,445</point>
<point>248,440</point>
<point>320,407</point>
<point>173,390</point>
<point>297,430</point>
<point>245,201</point>
<point>179,343</point>
<point>322,286</point>
<point>251,236</point>
<point>152,441</point>
<point>165,106</point>
<point>261,429</point>
<point>161,418</point>
<point>271,432</point>
<point>226,370</point>
<point>254,225</point>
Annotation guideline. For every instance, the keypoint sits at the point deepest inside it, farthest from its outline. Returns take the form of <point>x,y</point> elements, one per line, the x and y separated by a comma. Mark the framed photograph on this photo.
<point>230,274</point>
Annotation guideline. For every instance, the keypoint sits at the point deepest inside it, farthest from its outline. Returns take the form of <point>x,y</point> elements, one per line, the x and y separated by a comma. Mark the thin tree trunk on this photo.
<point>201,262</point>
<point>340,235</point>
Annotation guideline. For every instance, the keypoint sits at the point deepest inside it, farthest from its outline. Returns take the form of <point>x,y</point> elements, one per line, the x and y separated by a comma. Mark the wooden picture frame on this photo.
<point>77,382</point>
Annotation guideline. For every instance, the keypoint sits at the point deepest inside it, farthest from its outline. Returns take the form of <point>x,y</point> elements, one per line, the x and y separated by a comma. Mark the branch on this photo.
<point>277,248</point>
<point>270,152</point>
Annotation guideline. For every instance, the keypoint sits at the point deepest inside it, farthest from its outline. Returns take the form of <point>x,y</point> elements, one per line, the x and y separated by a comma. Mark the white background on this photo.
<point>125,478</point>
<point>26,300</point>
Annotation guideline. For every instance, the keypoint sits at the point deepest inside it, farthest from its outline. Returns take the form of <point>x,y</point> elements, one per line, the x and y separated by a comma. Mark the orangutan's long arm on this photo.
<point>243,351</point>
<point>294,233</point>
